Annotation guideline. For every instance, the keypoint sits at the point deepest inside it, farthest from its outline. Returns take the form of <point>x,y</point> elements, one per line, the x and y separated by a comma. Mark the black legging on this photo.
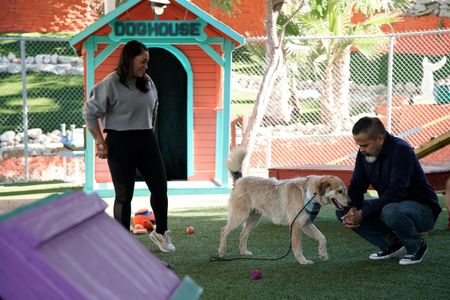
<point>130,150</point>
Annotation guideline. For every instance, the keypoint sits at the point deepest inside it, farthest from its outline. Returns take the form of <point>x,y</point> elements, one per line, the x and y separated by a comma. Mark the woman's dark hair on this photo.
<point>125,65</point>
<point>370,126</point>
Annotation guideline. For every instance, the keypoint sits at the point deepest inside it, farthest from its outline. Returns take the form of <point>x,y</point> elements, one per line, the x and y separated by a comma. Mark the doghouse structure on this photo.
<point>67,247</point>
<point>190,63</point>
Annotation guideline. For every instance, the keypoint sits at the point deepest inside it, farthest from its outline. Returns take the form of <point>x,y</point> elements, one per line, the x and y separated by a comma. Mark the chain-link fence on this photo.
<point>317,98</point>
<point>308,121</point>
<point>41,99</point>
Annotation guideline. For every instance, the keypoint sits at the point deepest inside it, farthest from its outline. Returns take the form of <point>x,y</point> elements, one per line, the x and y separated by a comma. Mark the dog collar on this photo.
<point>312,208</point>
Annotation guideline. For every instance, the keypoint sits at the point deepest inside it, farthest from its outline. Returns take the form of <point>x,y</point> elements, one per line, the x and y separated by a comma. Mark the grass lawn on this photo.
<point>349,274</point>
<point>52,100</point>
<point>308,112</point>
<point>244,101</point>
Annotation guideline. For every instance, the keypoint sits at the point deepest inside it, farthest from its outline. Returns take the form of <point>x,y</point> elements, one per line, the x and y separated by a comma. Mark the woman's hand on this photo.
<point>101,150</point>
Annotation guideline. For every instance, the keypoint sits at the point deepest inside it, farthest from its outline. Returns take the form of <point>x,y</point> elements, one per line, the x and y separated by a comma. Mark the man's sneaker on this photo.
<point>415,258</point>
<point>164,242</point>
<point>388,252</point>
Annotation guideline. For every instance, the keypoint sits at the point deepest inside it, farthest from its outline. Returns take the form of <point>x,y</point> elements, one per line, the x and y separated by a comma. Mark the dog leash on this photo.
<point>215,258</point>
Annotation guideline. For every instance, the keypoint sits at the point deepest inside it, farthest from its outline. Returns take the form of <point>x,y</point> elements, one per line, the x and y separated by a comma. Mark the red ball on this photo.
<point>190,229</point>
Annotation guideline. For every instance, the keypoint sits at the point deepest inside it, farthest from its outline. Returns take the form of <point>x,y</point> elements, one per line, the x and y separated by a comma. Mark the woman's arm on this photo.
<point>101,149</point>
<point>93,111</point>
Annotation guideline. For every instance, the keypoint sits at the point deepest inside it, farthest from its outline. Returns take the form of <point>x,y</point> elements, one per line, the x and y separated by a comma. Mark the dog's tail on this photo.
<point>234,162</point>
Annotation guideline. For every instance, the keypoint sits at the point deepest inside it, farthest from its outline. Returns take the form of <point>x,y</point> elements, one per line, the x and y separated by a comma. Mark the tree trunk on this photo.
<point>335,109</point>
<point>279,109</point>
<point>275,59</point>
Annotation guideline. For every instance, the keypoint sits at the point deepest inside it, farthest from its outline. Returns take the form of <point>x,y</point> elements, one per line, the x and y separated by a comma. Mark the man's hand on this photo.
<point>352,219</point>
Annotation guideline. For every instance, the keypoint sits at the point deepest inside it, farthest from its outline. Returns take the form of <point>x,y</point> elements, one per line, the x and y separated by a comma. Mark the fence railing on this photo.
<point>41,90</point>
<point>308,121</point>
<point>315,103</point>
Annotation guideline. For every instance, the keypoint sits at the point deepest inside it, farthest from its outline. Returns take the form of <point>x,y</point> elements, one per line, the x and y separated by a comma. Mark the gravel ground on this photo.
<point>7,205</point>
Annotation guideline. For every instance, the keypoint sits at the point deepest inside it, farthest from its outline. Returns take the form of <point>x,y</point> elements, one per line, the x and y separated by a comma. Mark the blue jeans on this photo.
<point>396,221</point>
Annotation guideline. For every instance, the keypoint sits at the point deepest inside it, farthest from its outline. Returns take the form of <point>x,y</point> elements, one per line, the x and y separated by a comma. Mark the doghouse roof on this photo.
<point>178,9</point>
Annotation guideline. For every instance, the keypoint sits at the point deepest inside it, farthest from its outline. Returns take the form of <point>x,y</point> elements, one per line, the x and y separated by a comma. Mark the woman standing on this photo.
<point>126,101</point>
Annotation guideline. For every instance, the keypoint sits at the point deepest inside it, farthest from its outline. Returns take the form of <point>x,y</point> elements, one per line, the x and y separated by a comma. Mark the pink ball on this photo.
<point>190,229</point>
<point>256,274</point>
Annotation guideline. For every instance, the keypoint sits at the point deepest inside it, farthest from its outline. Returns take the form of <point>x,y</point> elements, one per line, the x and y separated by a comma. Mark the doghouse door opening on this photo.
<point>170,79</point>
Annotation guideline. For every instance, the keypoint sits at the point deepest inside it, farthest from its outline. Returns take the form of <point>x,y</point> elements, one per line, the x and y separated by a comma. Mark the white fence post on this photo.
<point>389,83</point>
<point>24,108</point>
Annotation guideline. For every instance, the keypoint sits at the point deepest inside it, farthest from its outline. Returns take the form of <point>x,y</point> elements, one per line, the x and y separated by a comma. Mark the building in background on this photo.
<point>75,15</point>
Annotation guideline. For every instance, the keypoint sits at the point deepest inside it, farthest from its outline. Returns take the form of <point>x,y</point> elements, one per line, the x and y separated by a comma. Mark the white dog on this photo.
<point>281,201</point>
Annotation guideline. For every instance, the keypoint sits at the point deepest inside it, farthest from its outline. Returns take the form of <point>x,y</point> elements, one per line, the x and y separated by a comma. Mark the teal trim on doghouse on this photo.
<point>89,154</point>
<point>105,53</point>
<point>173,188</point>
<point>111,16</point>
<point>102,21</point>
<point>213,54</point>
<point>223,118</point>
<point>213,21</point>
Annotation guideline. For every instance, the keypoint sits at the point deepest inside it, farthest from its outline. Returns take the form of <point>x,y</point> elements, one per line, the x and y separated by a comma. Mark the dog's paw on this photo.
<point>246,252</point>
<point>324,257</point>
<point>323,253</point>
<point>305,261</point>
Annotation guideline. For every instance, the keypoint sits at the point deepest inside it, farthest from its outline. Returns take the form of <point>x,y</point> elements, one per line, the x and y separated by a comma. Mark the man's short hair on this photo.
<point>369,125</point>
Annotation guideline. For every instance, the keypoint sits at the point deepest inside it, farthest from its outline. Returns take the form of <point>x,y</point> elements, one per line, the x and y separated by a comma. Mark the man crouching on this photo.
<point>407,203</point>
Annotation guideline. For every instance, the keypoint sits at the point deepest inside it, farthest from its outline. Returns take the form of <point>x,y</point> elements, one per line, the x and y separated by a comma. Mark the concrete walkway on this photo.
<point>8,203</point>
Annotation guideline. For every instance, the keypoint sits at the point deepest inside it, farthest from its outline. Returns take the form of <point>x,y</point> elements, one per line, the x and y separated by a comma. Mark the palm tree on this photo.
<point>328,18</point>
<point>337,52</point>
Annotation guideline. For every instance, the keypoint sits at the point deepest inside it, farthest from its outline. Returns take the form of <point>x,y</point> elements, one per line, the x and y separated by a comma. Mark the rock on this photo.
<point>11,56</point>
<point>41,139</point>
<point>39,59</point>
<point>7,136</point>
<point>67,59</point>
<point>54,69</point>
<point>13,69</point>
<point>34,132</point>
<point>3,68</point>
<point>46,59</point>
<point>54,59</point>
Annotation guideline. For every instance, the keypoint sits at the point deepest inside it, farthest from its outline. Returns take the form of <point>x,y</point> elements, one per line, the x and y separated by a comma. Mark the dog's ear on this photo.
<point>324,183</point>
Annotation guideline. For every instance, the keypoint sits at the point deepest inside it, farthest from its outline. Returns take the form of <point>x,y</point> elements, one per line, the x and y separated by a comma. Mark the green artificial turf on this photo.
<point>349,274</point>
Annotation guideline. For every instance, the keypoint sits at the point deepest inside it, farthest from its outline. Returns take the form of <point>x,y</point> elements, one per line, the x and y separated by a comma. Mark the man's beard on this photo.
<point>370,159</point>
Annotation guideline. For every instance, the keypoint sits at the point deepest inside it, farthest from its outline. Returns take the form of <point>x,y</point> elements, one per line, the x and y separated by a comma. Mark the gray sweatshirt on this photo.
<point>120,107</point>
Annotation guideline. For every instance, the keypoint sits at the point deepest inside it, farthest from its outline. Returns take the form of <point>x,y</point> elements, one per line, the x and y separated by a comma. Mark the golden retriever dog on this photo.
<point>281,201</point>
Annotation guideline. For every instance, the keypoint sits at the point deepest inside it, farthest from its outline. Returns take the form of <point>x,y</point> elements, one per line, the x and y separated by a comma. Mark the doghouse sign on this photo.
<point>159,29</point>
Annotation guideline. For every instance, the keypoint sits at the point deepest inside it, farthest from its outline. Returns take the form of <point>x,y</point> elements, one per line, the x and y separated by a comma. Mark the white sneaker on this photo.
<point>164,242</point>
